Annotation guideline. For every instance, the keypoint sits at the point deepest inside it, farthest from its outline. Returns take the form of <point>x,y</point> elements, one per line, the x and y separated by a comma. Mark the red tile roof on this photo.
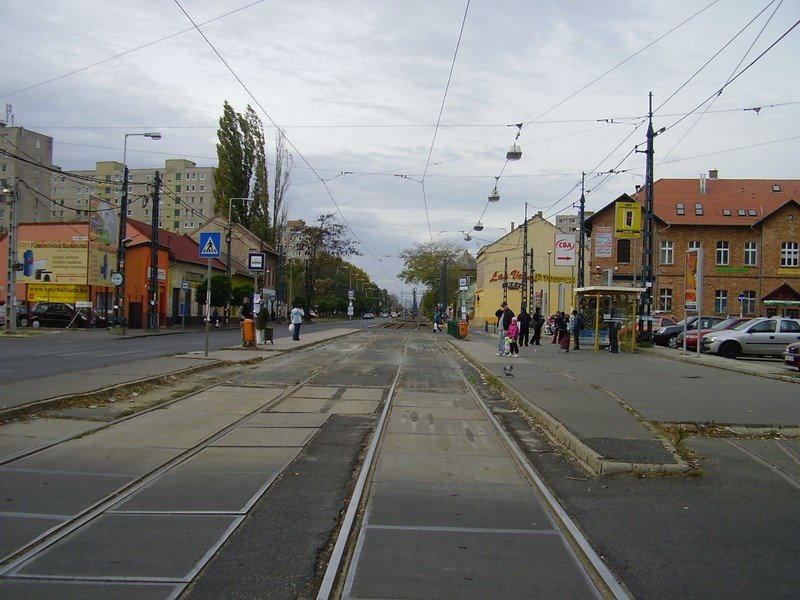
<point>723,202</point>
<point>182,247</point>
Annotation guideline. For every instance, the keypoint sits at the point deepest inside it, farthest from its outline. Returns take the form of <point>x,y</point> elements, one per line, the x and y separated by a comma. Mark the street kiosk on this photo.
<point>609,316</point>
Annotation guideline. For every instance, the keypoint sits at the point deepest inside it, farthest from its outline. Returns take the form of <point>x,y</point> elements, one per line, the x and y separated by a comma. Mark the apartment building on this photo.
<point>749,233</point>
<point>26,157</point>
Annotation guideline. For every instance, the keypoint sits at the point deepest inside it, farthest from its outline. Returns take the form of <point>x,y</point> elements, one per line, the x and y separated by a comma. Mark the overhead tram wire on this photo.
<point>733,72</point>
<point>439,118</point>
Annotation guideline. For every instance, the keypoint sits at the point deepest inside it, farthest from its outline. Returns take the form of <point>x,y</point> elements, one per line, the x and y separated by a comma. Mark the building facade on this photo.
<point>748,232</point>
<point>26,158</point>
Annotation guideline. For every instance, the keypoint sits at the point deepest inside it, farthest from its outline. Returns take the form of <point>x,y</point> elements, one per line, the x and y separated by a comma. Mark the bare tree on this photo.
<point>283,170</point>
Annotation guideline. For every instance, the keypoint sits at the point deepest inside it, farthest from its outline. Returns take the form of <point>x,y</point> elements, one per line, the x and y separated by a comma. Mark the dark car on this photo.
<point>691,336</point>
<point>791,356</point>
<point>665,336</point>
<point>61,314</point>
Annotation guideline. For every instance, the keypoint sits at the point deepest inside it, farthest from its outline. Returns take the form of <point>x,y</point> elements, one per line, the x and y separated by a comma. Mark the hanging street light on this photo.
<point>495,195</point>
<point>478,226</point>
<point>514,153</point>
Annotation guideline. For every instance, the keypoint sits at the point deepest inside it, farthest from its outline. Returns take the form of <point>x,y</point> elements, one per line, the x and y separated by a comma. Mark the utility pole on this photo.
<point>12,197</point>
<point>582,234</point>
<point>119,303</point>
<point>152,307</point>
<point>532,294</point>
<point>524,286</point>
<point>505,280</point>
<point>647,238</point>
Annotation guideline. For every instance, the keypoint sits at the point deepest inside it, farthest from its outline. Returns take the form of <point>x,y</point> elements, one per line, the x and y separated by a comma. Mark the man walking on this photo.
<point>296,317</point>
<point>524,323</point>
<point>538,323</point>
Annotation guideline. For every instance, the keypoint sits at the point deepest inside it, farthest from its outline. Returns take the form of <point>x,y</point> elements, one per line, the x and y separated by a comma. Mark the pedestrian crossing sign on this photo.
<point>210,244</point>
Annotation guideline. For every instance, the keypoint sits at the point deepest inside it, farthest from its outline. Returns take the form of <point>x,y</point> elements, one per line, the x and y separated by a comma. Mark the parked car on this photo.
<point>369,315</point>
<point>691,336</point>
<point>791,356</point>
<point>763,336</point>
<point>393,315</point>
<point>61,314</point>
<point>665,336</point>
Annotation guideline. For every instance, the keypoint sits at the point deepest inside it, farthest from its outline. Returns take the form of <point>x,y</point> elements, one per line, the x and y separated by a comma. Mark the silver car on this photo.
<point>763,336</point>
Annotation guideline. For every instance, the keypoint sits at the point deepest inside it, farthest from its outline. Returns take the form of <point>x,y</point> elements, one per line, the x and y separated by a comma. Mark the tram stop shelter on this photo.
<point>604,308</point>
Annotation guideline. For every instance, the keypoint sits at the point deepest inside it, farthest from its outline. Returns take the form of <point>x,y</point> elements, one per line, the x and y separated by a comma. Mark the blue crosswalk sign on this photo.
<point>210,244</point>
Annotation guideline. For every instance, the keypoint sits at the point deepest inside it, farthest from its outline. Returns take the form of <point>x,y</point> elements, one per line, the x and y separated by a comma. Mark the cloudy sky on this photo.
<point>358,87</point>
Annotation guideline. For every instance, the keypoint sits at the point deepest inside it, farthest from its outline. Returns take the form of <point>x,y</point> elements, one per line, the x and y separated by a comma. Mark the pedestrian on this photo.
<point>538,323</point>
<point>437,321</point>
<point>245,312</point>
<point>558,322</point>
<point>575,326</point>
<point>563,332</point>
<point>504,316</point>
<point>296,317</point>
<point>215,317</point>
<point>513,337</point>
<point>613,328</point>
<point>524,322</point>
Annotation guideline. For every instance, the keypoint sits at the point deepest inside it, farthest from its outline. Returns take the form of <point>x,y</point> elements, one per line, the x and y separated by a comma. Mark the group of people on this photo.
<point>514,330</point>
<point>295,319</point>
<point>567,327</point>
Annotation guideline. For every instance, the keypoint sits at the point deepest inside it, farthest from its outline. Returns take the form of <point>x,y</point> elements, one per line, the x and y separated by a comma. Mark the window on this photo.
<point>750,254</point>
<point>726,212</point>
<point>177,189</point>
<point>177,212</point>
<point>723,253</point>
<point>4,168</point>
<point>790,254</point>
<point>752,212</point>
<point>680,209</point>
<point>176,225</point>
<point>721,302</point>
<point>177,176</point>
<point>749,304</point>
<point>665,299</point>
<point>80,191</point>
<point>623,251</point>
<point>694,245</point>
<point>202,188</point>
<point>764,327</point>
<point>698,209</point>
<point>202,175</point>
<point>776,187</point>
<point>741,212</point>
<point>667,252</point>
<point>790,327</point>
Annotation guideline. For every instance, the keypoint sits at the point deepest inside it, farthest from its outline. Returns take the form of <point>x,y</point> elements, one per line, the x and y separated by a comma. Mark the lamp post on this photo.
<point>549,254</point>
<point>119,304</point>
<point>228,236</point>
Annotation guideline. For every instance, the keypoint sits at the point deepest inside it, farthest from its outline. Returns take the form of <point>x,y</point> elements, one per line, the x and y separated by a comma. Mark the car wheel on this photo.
<point>729,350</point>
<point>23,322</point>
<point>35,324</point>
<point>673,341</point>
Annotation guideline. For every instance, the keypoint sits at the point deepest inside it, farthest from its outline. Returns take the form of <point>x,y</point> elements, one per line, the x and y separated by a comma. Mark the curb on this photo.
<point>559,433</point>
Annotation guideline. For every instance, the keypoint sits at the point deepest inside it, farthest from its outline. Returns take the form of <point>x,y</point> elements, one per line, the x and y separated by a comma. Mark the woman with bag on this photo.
<point>296,318</point>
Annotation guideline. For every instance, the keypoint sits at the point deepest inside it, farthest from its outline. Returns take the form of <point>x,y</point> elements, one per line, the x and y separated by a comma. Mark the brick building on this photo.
<point>748,229</point>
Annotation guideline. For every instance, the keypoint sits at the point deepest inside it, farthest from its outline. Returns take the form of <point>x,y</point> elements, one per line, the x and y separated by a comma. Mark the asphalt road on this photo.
<point>45,352</point>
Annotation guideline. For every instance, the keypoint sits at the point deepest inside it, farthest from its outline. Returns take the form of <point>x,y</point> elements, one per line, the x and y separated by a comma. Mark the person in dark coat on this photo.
<point>575,326</point>
<point>563,333</point>
<point>524,324</point>
<point>538,323</point>
<point>558,322</point>
<point>505,314</point>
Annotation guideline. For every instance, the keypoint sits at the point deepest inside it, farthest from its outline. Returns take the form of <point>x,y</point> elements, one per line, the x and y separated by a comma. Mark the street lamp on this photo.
<point>549,253</point>
<point>228,236</point>
<point>119,280</point>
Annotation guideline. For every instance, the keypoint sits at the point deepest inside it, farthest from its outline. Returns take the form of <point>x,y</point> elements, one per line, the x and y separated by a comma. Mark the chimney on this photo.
<point>638,187</point>
<point>713,174</point>
<point>702,183</point>
<point>512,225</point>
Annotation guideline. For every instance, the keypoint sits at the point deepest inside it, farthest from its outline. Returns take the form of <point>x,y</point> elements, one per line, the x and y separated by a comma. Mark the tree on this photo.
<point>220,290</point>
<point>283,169</point>
<point>323,244</point>
<point>242,167</point>
<point>424,266</point>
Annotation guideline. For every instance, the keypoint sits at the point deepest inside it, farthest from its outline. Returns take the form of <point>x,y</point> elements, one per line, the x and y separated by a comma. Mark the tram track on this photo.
<point>350,548</point>
<point>12,561</point>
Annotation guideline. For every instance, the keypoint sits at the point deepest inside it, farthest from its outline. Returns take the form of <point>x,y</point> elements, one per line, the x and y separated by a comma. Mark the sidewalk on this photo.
<point>601,405</point>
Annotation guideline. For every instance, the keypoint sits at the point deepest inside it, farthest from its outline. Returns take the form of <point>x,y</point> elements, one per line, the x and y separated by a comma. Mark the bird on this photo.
<point>508,370</point>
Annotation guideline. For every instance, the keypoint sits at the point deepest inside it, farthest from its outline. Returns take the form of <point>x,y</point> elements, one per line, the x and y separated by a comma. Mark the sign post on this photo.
<point>210,247</point>
<point>742,298</point>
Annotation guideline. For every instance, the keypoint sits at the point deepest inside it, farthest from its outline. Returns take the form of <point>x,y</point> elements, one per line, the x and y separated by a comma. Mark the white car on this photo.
<point>763,336</point>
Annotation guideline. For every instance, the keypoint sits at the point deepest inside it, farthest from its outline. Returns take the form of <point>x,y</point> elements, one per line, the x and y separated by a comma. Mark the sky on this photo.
<point>399,114</point>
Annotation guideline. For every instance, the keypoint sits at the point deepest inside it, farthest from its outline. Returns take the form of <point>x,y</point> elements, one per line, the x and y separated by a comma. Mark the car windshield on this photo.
<point>724,324</point>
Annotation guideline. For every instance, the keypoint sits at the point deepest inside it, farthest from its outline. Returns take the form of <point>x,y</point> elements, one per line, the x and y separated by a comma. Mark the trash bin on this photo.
<point>249,331</point>
<point>463,329</point>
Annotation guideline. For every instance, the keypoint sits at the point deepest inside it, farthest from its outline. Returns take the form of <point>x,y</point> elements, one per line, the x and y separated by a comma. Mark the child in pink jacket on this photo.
<point>513,334</point>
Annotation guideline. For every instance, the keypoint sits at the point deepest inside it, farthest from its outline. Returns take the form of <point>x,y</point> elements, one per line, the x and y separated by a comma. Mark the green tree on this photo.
<point>242,170</point>
<point>323,244</point>
<point>220,290</point>
<point>425,264</point>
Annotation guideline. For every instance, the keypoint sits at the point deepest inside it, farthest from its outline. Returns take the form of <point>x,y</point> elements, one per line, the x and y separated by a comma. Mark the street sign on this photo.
<point>116,279</point>
<point>256,261</point>
<point>210,244</point>
<point>184,285</point>
<point>742,297</point>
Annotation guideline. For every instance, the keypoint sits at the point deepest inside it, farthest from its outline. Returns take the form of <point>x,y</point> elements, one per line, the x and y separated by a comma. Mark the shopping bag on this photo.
<point>291,327</point>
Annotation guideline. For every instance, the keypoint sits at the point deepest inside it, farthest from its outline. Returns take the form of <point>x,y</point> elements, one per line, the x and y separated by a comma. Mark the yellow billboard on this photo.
<point>51,292</point>
<point>628,220</point>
